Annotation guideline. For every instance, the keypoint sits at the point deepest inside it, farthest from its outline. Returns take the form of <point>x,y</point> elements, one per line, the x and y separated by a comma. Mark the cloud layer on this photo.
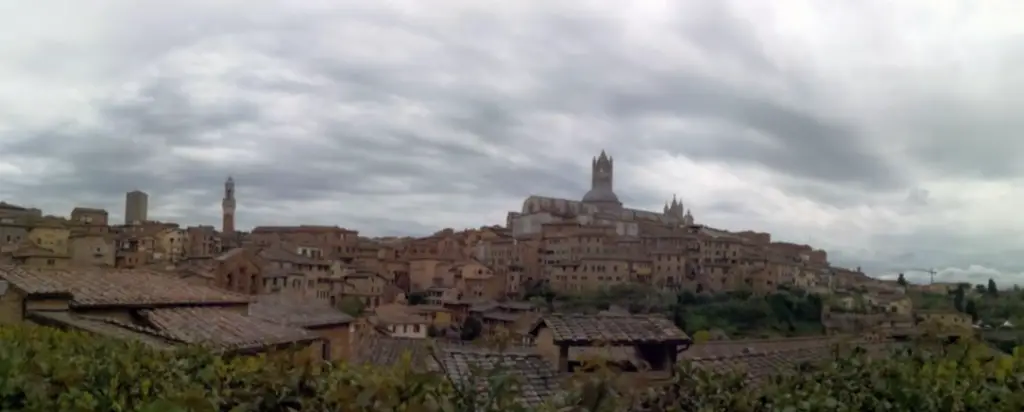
<point>884,133</point>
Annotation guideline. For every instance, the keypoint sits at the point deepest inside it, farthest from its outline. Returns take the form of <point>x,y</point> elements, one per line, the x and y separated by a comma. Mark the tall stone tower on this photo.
<point>136,207</point>
<point>228,207</point>
<point>601,191</point>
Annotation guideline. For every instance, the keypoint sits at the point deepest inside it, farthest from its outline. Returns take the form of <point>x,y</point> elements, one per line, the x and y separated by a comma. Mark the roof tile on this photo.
<point>388,351</point>
<point>623,329</point>
<point>761,359</point>
<point>537,380</point>
<point>102,287</point>
<point>289,310</point>
<point>222,328</point>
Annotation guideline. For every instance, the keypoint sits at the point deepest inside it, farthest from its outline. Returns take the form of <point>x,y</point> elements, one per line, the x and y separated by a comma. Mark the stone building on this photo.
<point>600,205</point>
<point>228,207</point>
<point>89,220</point>
<point>93,249</point>
<point>136,207</point>
<point>203,242</point>
<point>10,212</point>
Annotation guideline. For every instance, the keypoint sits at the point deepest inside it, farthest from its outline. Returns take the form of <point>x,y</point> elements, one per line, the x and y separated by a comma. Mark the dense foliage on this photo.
<point>736,314</point>
<point>43,369</point>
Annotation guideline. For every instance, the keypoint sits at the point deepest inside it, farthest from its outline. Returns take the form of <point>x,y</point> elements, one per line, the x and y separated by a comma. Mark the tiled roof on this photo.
<point>614,354</point>
<point>536,379</point>
<point>611,329</point>
<point>289,310</point>
<point>30,249</point>
<point>227,255</point>
<point>30,282</point>
<point>100,327</point>
<point>102,287</point>
<point>388,351</point>
<point>280,254</point>
<point>222,328</point>
<point>760,359</point>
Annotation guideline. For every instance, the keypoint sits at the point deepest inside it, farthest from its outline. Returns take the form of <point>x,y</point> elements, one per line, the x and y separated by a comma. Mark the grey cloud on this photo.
<point>484,89</point>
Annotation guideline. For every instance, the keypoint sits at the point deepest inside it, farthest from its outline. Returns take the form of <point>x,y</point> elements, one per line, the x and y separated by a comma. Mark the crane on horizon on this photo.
<point>929,271</point>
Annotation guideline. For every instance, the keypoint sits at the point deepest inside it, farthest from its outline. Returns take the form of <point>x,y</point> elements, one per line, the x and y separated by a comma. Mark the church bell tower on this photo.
<point>228,207</point>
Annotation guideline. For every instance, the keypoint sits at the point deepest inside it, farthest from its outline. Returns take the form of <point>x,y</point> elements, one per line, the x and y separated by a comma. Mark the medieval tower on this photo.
<point>601,192</point>
<point>228,207</point>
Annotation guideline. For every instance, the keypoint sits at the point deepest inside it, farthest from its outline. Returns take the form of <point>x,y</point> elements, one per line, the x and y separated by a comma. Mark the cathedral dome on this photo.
<point>601,195</point>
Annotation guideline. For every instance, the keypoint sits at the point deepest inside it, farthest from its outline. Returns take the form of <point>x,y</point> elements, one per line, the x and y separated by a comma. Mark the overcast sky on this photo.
<point>885,132</point>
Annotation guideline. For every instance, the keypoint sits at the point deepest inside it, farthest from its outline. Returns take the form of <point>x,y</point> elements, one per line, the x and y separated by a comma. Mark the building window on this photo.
<point>51,262</point>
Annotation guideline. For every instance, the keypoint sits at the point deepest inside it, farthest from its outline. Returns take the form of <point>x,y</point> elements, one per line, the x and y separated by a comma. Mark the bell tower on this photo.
<point>228,207</point>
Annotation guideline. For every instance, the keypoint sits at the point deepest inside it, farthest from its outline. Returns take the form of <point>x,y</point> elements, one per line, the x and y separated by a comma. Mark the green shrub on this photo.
<point>45,370</point>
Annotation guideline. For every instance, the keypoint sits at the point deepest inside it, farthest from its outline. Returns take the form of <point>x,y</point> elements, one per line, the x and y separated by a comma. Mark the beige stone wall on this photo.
<point>11,310</point>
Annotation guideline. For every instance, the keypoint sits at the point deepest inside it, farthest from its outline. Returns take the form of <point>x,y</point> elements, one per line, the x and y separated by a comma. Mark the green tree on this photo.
<point>972,310</point>
<point>992,289</point>
<point>472,327</point>
<point>416,298</point>
<point>351,305</point>
<point>902,281</point>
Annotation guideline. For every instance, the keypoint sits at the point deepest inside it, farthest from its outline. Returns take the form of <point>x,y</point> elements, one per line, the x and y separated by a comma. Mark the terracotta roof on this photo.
<point>301,229</point>
<point>117,287</point>
<point>289,310</point>
<point>536,379</point>
<point>222,328</point>
<point>387,351</point>
<point>30,249</point>
<point>227,255</point>
<point>100,327</point>
<point>280,254</point>
<point>616,354</point>
<point>611,329</point>
<point>397,314</point>
<point>760,359</point>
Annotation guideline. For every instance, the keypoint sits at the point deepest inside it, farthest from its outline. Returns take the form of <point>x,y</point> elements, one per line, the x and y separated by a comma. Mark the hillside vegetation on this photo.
<point>736,314</point>
<point>46,370</point>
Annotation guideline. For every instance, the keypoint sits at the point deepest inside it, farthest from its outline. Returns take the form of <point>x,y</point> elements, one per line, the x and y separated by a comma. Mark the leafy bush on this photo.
<point>42,369</point>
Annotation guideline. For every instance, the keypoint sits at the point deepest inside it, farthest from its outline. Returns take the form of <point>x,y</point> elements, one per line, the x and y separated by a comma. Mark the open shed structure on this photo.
<point>651,341</point>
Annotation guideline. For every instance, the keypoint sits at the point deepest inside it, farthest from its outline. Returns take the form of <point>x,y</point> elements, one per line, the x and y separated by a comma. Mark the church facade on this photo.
<point>599,206</point>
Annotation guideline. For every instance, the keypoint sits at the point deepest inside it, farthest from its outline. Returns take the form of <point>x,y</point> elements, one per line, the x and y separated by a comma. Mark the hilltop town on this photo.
<point>371,298</point>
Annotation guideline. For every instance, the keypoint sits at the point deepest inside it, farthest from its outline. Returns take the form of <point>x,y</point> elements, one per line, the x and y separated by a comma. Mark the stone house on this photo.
<point>15,212</point>
<point>369,287</point>
<point>92,249</point>
<point>30,254</point>
<point>12,233</point>
<point>302,273</point>
<point>633,343</point>
<point>948,322</point>
<point>140,305</point>
<point>172,244</point>
<point>238,270</point>
<point>89,220</point>
<point>203,242</point>
<point>400,321</point>
<point>50,235</point>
